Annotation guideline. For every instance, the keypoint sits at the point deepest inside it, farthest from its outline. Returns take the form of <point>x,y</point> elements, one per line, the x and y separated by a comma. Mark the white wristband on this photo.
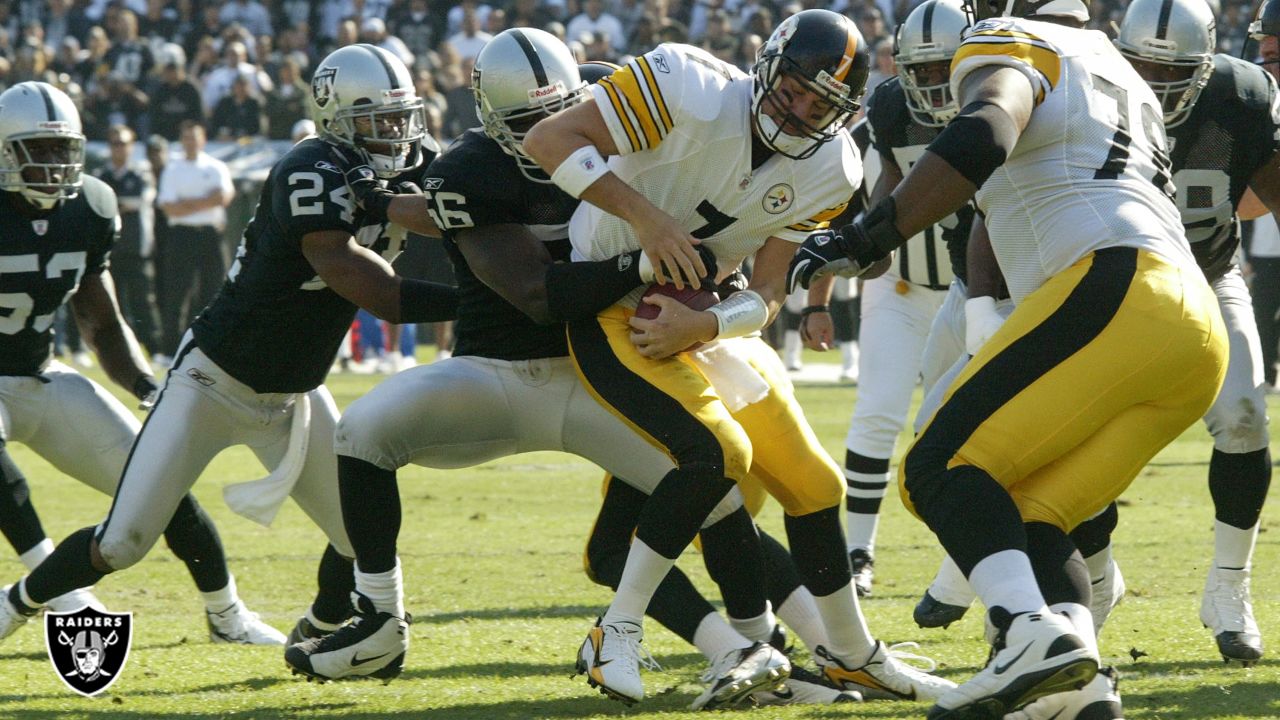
<point>742,313</point>
<point>578,171</point>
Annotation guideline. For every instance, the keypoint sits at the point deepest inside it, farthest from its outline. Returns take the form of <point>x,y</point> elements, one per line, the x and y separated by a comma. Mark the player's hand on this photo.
<point>817,330</point>
<point>676,328</point>
<point>146,390</point>
<point>981,321</point>
<point>362,180</point>
<point>822,253</point>
<point>670,250</point>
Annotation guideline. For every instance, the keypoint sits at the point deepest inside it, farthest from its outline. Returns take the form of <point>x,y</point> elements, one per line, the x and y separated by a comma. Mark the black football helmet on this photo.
<point>593,71</point>
<point>1267,22</point>
<point>983,9</point>
<point>824,53</point>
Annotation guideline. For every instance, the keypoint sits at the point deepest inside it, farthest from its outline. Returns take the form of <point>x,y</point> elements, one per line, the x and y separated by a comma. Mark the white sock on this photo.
<point>848,356</point>
<point>861,532</point>
<point>950,585</point>
<point>320,624</point>
<point>25,598</point>
<point>220,600</point>
<point>1233,547</point>
<point>37,554</point>
<point>385,589</point>
<point>1005,579</point>
<point>758,628</point>
<point>800,613</point>
<point>1099,564</point>
<point>848,637</point>
<point>791,348</point>
<point>715,637</point>
<point>644,571</point>
<point>1082,620</point>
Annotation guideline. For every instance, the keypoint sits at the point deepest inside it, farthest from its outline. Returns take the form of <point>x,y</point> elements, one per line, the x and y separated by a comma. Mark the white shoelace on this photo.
<point>911,660</point>
<point>631,643</point>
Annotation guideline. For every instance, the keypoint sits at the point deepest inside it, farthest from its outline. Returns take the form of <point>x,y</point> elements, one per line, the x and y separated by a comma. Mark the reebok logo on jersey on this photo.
<point>660,62</point>
<point>432,183</point>
<point>624,262</point>
<point>326,165</point>
<point>201,378</point>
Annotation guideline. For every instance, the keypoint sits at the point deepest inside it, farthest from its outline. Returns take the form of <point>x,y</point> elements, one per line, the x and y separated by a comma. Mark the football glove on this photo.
<point>366,189</point>
<point>733,283</point>
<point>146,390</point>
<point>848,252</point>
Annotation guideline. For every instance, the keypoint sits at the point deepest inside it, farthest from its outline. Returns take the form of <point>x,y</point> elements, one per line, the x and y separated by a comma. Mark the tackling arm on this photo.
<point>363,277</point>
<point>1263,195</point>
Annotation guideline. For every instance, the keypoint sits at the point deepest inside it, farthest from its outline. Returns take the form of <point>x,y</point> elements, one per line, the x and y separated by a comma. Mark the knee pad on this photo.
<point>1241,430</point>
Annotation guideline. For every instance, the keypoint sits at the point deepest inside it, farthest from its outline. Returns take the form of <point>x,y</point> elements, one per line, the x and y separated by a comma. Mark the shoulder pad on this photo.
<point>100,197</point>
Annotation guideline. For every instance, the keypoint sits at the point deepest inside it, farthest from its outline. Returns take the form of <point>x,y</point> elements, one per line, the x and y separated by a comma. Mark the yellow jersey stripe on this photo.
<point>620,110</point>
<point>1046,62</point>
<point>630,87</point>
<point>663,115</point>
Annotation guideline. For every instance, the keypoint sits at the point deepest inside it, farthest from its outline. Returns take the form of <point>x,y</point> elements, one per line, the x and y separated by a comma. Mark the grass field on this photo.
<point>492,562</point>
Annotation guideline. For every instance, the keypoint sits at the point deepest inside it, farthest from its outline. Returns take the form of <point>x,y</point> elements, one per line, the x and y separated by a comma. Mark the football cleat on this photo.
<point>779,640</point>
<point>738,673</point>
<point>304,631</point>
<point>1227,610</point>
<point>805,687</point>
<point>885,675</point>
<point>238,626</point>
<point>1107,592</point>
<point>373,645</point>
<point>1099,700</point>
<point>10,618</point>
<point>863,566</point>
<point>931,612</point>
<point>611,657</point>
<point>1035,655</point>
<point>74,600</point>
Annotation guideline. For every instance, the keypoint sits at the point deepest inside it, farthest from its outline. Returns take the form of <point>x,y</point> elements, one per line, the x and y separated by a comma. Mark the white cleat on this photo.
<point>1108,592</point>
<point>611,657</point>
<point>10,618</point>
<point>237,625</point>
<point>886,675</point>
<point>740,672</point>
<point>74,600</point>
<point>373,644</point>
<point>1036,654</point>
<point>805,688</point>
<point>1099,700</point>
<point>1227,610</point>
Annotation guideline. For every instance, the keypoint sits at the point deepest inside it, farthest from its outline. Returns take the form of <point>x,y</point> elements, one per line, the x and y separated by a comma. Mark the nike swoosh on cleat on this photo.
<point>357,661</point>
<point>999,669</point>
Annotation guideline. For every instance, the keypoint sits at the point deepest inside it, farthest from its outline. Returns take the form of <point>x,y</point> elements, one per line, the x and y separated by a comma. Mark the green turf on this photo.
<point>492,563</point>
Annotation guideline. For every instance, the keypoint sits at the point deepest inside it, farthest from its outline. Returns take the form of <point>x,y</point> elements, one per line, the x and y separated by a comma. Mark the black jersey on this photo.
<point>896,134</point>
<point>275,326</point>
<point>1233,129</point>
<point>476,184</point>
<point>43,256</point>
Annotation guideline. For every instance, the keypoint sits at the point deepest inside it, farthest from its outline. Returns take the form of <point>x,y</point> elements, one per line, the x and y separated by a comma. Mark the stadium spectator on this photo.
<point>458,12</point>
<point>374,32</point>
<point>159,24</point>
<point>239,114</point>
<point>348,33</point>
<point>113,101</point>
<point>158,159</point>
<point>174,100</point>
<point>194,191</point>
<point>93,68</point>
<point>235,62</point>
<point>68,58</point>
<point>411,23</point>
<point>593,19</point>
<point>288,103</point>
<point>64,20</point>
<point>529,13</point>
<point>469,40</point>
<point>251,14</point>
<point>129,58</point>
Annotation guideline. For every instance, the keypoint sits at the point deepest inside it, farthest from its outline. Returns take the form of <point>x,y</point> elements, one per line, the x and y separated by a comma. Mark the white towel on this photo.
<point>726,365</point>
<point>260,500</point>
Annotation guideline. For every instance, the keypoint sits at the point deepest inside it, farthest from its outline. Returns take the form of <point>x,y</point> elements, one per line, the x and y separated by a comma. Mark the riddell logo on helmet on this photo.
<point>396,94</point>
<point>56,125</point>
<point>825,80</point>
<point>546,92</point>
<point>88,648</point>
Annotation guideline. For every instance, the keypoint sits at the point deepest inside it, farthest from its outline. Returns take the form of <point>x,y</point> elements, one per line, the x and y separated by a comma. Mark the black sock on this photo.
<point>192,536</point>
<point>18,519</point>
<point>1238,483</point>
<point>817,542</point>
<point>370,512</point>
<point>863,465</point>
<point>946,504</point>
<point>68,568</point>
<point>336,579</point>
<point>677,508</point>
<point>735,561</point>
<point>1059,568</point>
<point>782,577</point>
<point>1093,535</point>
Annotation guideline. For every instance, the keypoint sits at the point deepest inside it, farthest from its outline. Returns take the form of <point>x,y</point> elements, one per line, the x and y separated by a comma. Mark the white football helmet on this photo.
<point>1177,34</point>
<point>41,144</point>
<point>521,76</point>
<point>930,34</point>
<point>363,97</point>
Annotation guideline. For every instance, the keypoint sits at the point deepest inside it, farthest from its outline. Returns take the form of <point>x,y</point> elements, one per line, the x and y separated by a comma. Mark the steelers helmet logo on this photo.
<point>779,199</point>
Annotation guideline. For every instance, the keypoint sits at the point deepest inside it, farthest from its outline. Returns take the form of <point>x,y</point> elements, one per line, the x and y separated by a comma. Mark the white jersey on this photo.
<point>1091,169</point>
<point>690,114</point>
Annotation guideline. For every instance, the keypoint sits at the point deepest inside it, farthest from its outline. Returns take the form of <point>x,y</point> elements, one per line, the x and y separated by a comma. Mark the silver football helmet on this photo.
<point>1172,44</point>
<point>41,144</point>
<point>363,97</point>
<point>922,48</point>
<point>521,76</point>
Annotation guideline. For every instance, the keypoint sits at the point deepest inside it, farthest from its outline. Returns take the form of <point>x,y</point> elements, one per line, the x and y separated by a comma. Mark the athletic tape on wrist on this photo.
<point>742,313</point>
<point>578,171</point>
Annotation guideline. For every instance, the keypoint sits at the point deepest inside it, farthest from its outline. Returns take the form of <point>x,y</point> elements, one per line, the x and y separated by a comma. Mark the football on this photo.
<point>696,298</point>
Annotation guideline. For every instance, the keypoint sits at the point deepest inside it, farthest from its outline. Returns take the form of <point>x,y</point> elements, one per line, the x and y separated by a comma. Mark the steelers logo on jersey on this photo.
<point>778,199</point>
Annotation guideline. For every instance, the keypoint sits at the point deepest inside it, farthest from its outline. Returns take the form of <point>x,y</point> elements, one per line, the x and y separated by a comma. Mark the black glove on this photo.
<point>733,283</point>
<point>368,192</point>
<point>146,390</point>
<point>848,252</point>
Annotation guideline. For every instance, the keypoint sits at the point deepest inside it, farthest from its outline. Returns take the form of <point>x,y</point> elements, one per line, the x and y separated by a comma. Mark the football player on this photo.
<point>509,386</point>
<point>251,368</point>
<point>744,165</point>
<point>60,227</point>
<point>904,114</point>
<point>1115,345</point>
